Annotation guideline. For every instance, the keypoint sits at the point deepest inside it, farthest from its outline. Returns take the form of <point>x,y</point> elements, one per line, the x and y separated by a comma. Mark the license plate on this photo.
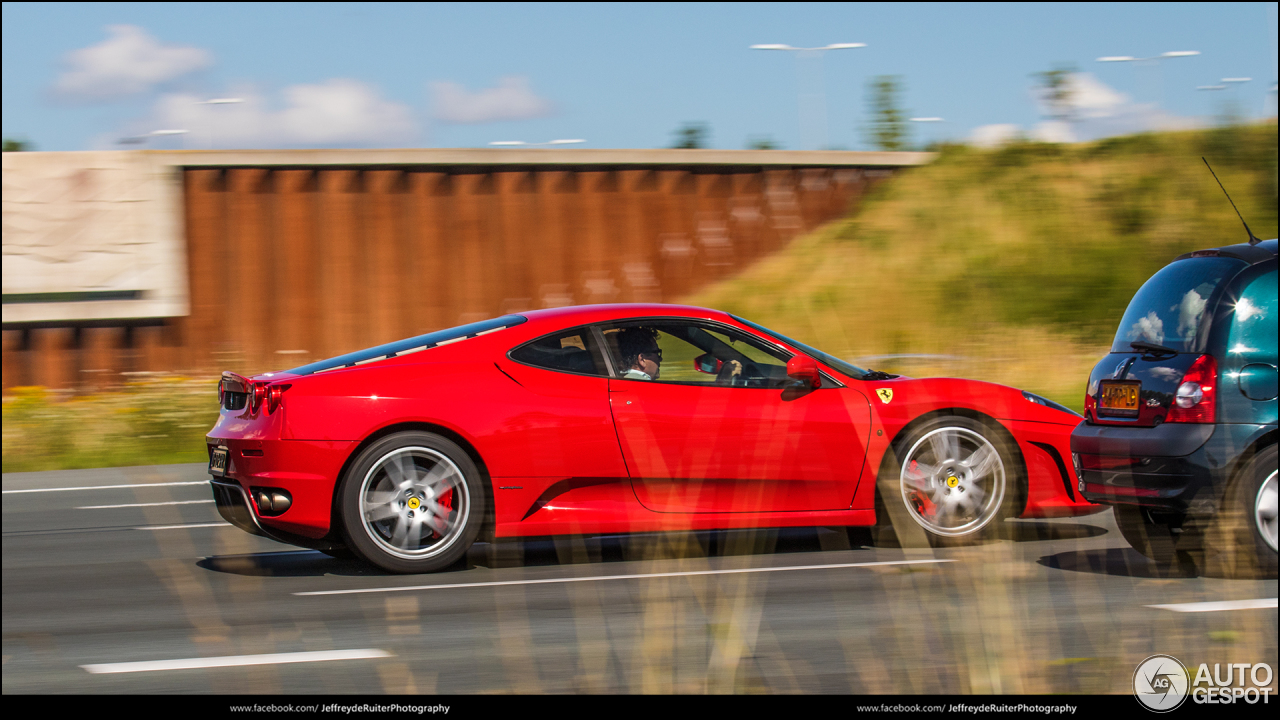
<point>1119,398</point>
<point>218,462</point>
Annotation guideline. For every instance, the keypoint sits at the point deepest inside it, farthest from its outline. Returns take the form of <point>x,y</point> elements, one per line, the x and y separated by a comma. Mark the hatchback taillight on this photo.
<point>1196,399</point>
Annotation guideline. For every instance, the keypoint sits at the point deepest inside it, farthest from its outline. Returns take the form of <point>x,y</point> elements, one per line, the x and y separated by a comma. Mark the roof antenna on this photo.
<point>1252,240</point>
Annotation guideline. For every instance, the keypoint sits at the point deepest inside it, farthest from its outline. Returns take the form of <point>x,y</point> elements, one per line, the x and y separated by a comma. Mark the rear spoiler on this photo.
<point>232,382</point>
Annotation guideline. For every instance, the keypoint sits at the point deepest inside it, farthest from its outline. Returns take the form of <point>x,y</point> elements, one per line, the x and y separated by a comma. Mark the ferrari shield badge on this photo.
<point>886,395</point>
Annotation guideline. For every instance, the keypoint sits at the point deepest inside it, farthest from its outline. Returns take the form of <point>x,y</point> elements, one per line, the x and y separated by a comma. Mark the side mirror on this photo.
<point>804,369</point>
<point>708,363</point>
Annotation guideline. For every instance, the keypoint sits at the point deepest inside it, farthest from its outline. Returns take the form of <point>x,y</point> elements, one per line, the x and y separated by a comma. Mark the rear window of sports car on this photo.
<point>410,345</point>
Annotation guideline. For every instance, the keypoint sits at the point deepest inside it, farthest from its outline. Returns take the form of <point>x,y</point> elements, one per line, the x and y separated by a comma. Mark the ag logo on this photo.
<point>1160,683</point>
<point>885,394</point>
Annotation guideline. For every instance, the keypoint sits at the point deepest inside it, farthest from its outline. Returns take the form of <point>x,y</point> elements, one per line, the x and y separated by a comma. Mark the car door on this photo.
<point>698,438</point>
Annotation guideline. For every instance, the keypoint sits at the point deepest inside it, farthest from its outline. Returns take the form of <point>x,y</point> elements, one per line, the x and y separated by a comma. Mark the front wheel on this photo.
<point>956,480</point>
<point>412,503</point>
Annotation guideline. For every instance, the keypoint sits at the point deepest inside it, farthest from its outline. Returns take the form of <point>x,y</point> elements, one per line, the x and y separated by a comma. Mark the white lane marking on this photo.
<point>179,527</point>
<point>104,487</point>
<point>620,577</point>
<point>1259,604</point>
<point>176,502</point>
<point>235,661</point>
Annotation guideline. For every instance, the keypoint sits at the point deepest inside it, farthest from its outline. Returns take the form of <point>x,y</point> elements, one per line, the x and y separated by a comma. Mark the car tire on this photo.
<point>1242,537</point>
<point>412,502</point>
<point>954,478</point>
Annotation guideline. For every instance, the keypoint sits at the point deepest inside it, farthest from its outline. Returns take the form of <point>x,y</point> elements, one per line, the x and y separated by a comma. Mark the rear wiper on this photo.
<point>1152,349</point>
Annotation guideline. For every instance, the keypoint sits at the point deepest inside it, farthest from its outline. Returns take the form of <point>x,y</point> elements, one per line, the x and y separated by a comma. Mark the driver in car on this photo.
<point>641,356</point>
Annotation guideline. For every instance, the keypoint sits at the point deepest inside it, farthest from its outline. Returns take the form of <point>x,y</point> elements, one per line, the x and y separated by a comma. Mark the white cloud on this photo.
<point>337,112</point>
<point>1149,328</point>
<point>1096,111</point>
<point>989,136</point>
<point>128,62</point>
<point>512,99</point>
<point>1053,131</point>
<point>1087,97</point>
<point>1190,310</point>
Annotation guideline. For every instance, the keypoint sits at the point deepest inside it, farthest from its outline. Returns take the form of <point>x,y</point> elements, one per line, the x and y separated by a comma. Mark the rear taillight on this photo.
<point>1196,399</point>
<point>222,396</point>
<point>257,393</point>
<point>274,394</point>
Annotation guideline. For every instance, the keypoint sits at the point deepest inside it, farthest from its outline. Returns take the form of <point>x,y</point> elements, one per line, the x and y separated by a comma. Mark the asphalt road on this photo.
<point>138,589</point>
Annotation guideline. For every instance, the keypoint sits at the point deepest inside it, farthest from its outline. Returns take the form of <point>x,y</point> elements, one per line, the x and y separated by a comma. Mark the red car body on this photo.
<point>566,453</point>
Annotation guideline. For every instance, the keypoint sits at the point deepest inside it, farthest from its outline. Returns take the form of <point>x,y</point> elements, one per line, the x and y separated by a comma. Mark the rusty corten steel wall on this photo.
<point>290,265</point>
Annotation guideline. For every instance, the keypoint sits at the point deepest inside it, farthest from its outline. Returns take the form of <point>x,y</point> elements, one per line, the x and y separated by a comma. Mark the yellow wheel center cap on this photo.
<point>952,481</point>
<point>414,503</point>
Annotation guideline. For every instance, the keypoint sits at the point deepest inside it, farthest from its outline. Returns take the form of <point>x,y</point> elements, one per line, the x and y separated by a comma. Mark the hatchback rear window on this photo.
<point>1173,307</point>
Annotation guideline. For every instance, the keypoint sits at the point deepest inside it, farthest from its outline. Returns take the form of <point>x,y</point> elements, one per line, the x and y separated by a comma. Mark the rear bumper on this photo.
<point>307,470</point>
<point>1177,467</point>
<point>234,507</point>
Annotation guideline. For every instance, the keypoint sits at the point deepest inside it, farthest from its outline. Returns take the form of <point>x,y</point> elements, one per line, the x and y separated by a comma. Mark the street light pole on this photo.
<point>218,101</point>
<point>1154,62</point>
<point>816,93</point>
<point>1229,114</point>
<point>139,139</point>
<point>928,120</point>
<point>522,143</point>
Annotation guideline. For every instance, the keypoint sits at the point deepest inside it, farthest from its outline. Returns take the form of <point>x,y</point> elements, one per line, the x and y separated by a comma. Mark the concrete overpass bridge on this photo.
<point>198,261</point>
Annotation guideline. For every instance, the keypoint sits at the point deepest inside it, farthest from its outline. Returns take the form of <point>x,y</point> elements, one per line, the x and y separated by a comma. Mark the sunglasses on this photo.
<point>653,353</point>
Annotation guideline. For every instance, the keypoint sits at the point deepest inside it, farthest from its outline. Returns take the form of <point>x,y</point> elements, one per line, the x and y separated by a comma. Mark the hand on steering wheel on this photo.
<point>730,373</point>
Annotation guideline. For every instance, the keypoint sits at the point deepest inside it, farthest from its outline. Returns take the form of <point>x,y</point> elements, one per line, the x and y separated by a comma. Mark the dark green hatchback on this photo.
<point>1179,432</point>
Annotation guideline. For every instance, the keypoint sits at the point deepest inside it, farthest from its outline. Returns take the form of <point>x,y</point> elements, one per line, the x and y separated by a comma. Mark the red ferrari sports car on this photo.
<point>613,419</point>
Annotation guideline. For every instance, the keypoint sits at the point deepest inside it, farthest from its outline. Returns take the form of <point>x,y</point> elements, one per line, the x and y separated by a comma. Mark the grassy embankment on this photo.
<point>150,422</point>
<point>1015,263</point>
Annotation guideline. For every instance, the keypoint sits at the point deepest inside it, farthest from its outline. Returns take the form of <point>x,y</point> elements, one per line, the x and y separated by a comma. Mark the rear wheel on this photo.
<point>955,477</point>
<point>412,503</point>
<point>1242,538</point>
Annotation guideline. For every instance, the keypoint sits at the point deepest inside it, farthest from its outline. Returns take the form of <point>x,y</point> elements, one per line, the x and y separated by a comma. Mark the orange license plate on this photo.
<point>1119,398</point>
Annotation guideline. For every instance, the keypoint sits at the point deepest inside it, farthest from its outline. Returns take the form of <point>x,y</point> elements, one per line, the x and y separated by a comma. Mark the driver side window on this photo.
<point>689,353</point>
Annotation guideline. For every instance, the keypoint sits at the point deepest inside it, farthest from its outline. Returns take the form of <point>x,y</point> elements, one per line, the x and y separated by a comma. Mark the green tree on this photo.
<point>888,129</point>
<point>692,136</point>
<point>15,145</point>
<point>1056,92</point>
<point>762,143</point>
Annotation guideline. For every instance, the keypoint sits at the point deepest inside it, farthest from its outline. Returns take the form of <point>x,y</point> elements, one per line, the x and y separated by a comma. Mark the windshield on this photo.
<point>414,344</point>
<point>1171,309</point>
<point>849,369</point>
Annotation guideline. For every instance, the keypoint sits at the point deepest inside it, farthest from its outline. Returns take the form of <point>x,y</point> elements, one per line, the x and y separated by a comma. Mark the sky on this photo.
<point>87,76</point>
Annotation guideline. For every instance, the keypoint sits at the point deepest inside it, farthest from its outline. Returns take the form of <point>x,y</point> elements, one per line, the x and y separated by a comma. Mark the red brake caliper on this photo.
<point>923,505</point>
<point>445,501</point>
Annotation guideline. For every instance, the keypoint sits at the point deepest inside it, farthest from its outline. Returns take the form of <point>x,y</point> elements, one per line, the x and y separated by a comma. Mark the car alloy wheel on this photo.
<point>412,502</point>
<point>1264,511</point>
<point>954,478</point>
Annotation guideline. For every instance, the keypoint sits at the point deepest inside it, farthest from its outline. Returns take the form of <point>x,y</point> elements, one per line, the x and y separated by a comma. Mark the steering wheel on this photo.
<point>730,373</point>
<point>751,375</point>
<point>738,374</point>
